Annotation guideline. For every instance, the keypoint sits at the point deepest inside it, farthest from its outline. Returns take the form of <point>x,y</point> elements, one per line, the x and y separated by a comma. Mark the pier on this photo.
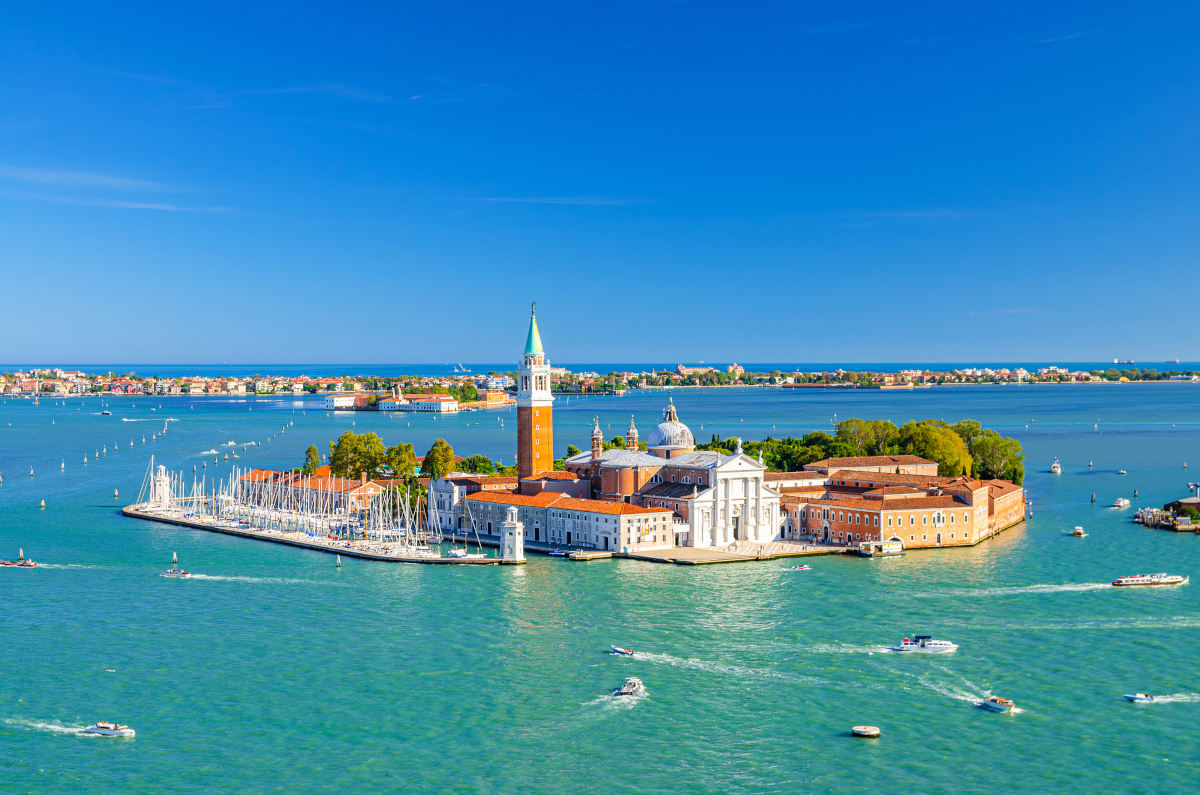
<point>353,549</point>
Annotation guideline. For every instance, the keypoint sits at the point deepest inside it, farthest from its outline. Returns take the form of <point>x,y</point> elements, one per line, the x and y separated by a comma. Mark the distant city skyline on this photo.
<point>672,183</point>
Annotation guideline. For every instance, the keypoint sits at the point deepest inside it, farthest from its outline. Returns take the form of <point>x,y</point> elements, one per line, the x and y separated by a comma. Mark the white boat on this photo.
<point>108,729</point>
<point>1120,502</point>
<point>1078,532</point>
<point>1056,468</point>
<point>1150,579</point>
<point>997,704</point>
<point>21,562</point>
<point>800,568</point>
<point>632,687</point>
<point>1122,472</point>
<point>463,554</point>
<point>1140,698</point>
<point>625,652</point>
<point>175,572</point>
<point>926,644</point>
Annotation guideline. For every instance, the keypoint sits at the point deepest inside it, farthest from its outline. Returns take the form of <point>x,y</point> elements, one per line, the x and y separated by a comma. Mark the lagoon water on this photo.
<point>277,672</point>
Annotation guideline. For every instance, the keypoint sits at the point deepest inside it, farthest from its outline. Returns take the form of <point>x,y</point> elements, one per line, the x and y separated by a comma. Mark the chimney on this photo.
<point>362,478</point>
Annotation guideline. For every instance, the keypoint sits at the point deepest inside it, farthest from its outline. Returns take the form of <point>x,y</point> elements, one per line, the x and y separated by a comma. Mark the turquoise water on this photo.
<point>276,671</point>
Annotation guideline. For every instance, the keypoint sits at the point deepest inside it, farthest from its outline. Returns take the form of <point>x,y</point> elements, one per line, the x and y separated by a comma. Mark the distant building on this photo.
<point>901,464</point>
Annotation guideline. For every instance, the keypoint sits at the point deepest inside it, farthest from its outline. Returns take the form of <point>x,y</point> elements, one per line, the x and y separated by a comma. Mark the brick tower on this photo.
<point>535,421</point>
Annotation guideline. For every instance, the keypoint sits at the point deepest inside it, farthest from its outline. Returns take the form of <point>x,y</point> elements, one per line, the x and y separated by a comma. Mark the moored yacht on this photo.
<point>108,729</point>
<point>1120,502</point>
<point>175,571</point>
<point>632,687</point>
<point>1150,579</point>
<point>924,643</point>
<point>997,704</point>
<point>1056,468</point>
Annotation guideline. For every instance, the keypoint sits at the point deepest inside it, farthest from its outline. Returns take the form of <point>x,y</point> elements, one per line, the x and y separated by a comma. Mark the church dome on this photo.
<point>670,432</point>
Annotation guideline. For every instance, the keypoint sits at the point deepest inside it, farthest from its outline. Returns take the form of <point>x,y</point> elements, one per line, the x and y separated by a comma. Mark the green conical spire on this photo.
<point>533,344</point>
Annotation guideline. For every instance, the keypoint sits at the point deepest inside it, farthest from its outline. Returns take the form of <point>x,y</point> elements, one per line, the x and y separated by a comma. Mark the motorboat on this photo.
<point>175,572</point>
<point>1120,502</point>
<point>1140,698</point>
<point>926,644</point>
<point>463,554</point>
<point>1150,579</point>
<point>21,562</point>
<point>997,704</point>
<point>865,731</point>
<point>106,413</point>
<point>107,729</point>
<point>1078,532</point>
<point>632,687</point>
<point>1122,472</point>
<point>1056,468</point>
<point>800,568</point>
<point>625,652</point>
<point>558,553</point>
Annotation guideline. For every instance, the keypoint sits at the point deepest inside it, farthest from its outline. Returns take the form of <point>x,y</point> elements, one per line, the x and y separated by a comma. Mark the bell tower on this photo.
<point>535,421</point>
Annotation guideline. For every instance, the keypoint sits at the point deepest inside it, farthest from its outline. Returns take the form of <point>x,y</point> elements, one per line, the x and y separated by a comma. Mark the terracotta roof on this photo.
<point>870,461</point>
<point>553,475</point>
<point>541,500</point>
<point>902,504</point>
<point>559,500</point>
<point>487,480</point>
<point>888,477</point>
<point>806,474</point>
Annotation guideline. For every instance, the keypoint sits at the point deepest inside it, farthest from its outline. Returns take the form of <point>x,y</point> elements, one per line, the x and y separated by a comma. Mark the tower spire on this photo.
<point>533,343</point>
<point>631,435</point>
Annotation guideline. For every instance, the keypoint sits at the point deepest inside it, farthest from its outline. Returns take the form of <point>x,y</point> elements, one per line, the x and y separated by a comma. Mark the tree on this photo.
<point>439,461</point>
<point>479,464</point>
<point>936,441</point>
<point>572,450</point>
<point>354,453</point>
<point>312,459</point>
<point>998,456</point>
<point>968,430</point>
<point>402,460</point>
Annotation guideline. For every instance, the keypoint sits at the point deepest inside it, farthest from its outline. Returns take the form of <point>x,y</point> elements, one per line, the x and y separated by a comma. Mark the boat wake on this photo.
<point>1177,698</point>
<point>71,566</point>
<point>230,578</point>
<point>723,669</point>
<point>1017,590</point>
<point>848,648</point>
<point>616,702</point>
<point>53,728</point>
<point>955,686</point>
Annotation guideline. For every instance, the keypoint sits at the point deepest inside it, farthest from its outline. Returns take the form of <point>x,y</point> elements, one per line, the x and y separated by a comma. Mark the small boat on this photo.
<point>106,413</point>
<point>175,572</point>
<point>1056,468</point>
<point>558,553</point>
<point>1139,698</point>
<point>632,687</point>
<point>865,731</point>
<point>1150,579</point>
<point>926,644</point>
<point>107,729</point>
<point>1122,472</point>
<point>625,652</point>
<point>1120,502</point>
<point>799,568</point>
<point>1078,532</point>
<point>997,704</point>
<point>462,554</point>
<point>21,562</point>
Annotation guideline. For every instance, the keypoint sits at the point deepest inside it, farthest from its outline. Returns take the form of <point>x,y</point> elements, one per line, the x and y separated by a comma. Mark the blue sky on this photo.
<point>670,181</point>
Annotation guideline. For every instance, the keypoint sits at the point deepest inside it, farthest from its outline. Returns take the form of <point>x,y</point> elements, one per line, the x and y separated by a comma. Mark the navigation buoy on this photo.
<point>114,494</point>
<point>43,505</point>
<point>865,731</point>
<point>1135,494</point>
<point>1089,464</point>
<point>1093,496</point>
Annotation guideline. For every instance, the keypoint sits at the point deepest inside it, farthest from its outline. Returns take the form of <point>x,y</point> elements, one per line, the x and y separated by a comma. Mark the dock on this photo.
<point>344,548</point>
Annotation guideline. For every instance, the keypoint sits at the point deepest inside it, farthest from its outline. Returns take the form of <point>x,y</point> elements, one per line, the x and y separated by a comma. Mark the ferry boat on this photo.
<point>1150,579</point>
<point>624,652</point>
<point>997,704</point>
<point>1120,502</point>
<point>1078,532</point>
<point>893,547</point>
<point>175,572</point>
<point>926,644</point>
<point>632,687</point>
<point>108,729</point>
<point>21,562</point>
<point>1056,468</point>
<point>1139,698</point>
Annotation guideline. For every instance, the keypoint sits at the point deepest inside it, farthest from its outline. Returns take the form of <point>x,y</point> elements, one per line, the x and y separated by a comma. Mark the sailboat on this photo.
<point>175,572</point>
<point>21,562</point>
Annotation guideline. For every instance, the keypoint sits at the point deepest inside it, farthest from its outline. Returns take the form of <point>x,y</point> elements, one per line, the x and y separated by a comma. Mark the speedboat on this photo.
<point>106,413</point>
<point>1139,698</point>
<point>108,729</point>
<point>1122,472</point>
<point>175,572</point>
<point>1120,502</point>
<point>21,562</point>
<point>997,704</point>
<point>619,650</point>
<point>1078,532</point>
<point>1150,579</point>
<point>632,687</point>
<point>924,643</point>
<point>1056,468</point>
<point>800,568</point>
